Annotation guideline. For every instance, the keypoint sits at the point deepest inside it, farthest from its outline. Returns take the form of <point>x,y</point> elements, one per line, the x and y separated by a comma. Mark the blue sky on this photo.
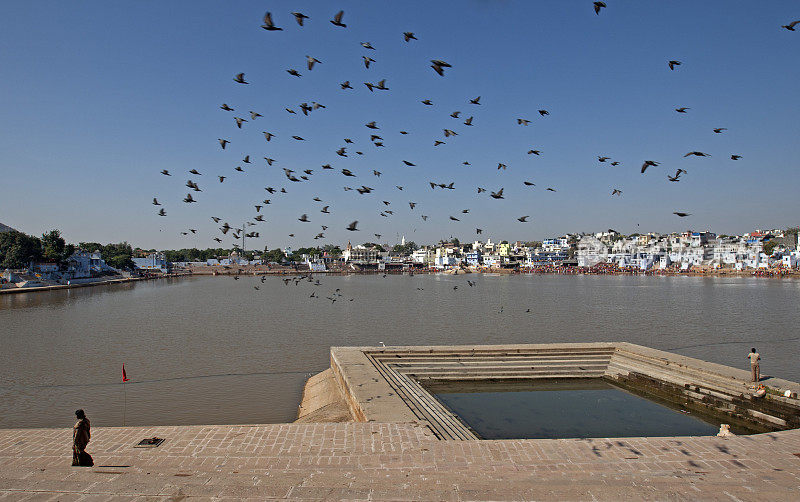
<point>98,98</point>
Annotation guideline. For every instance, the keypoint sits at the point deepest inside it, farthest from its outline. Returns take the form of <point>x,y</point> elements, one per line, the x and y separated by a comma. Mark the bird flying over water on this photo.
<point>337,19</point>
<point>648,163</point>
<point>598,6</point>
<point>299,17</point>
<point>269,25</point>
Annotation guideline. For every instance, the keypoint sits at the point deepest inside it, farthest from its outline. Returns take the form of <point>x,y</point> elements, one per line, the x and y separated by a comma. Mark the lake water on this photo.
<point>214,350</point>
<point>584,408</point>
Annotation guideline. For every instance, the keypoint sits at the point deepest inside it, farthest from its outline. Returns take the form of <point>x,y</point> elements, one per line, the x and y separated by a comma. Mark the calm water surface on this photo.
<point>569,409</point>
<point>213,350</point>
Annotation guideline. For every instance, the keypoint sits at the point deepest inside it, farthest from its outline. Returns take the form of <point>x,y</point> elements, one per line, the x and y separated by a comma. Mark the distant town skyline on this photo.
<point>97,108</point>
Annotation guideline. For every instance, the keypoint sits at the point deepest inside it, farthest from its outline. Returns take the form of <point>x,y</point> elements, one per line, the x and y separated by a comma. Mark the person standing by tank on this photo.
<point>81,433</point>
<point>755,368</point>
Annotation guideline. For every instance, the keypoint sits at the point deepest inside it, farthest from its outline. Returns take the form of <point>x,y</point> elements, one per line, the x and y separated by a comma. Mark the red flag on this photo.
<point>124,375</point>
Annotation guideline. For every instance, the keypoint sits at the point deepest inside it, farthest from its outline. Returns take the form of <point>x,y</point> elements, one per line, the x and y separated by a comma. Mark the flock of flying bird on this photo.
<point>376,138</point>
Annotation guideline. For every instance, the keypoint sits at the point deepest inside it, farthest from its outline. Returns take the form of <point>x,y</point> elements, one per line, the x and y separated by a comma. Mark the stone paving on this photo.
<point>391,461</point>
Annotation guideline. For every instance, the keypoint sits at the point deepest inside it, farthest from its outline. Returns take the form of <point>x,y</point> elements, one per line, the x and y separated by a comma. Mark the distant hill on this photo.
<point>6,228</point>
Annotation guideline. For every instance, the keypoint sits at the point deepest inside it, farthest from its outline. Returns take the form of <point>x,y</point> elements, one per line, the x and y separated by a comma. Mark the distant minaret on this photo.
<point>403,241</point>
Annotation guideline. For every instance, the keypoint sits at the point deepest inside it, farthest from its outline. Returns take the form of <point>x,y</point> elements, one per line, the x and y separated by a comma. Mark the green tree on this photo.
<point>53,246</point>
<point>406,249</point>
<point>18,249</point>
<point>274,255</point>
<point>455,241</point>
<point>769,247</point>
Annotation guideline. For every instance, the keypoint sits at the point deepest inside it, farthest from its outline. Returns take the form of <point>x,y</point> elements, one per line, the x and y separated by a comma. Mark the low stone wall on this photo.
<point>385,384</point>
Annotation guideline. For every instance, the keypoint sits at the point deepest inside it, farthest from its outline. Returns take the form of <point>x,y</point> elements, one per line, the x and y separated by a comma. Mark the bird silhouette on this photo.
<point>648,163</point>
<point>672,64</point>
<point>682,215</point>
<point>438,66</point>
<point>337,19</point>
<point>791,25</point>
<point>598,6</point>
<point>352,226</point>
<point>682,109</point>
<point>269,25</point>
<point>407,35</point>
<point>299,17</point>
<point>523,219</point>
<point>240,78</point>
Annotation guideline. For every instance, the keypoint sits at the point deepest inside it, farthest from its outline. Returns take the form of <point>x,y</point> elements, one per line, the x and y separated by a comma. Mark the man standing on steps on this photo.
<point>754,366</point>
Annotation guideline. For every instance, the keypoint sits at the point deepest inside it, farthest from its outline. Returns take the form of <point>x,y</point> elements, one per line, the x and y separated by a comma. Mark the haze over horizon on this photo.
<point>100,98</point>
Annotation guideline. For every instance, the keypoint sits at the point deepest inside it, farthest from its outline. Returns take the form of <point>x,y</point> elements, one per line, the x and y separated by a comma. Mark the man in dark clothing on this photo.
<point>81,433</point>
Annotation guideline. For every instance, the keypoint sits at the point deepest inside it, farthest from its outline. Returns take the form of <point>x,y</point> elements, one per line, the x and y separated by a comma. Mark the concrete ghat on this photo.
<point>380,461</point>
<point>382,384</point>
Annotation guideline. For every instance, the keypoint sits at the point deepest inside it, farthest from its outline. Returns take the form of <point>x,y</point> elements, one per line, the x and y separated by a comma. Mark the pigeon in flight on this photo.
<point>367,60</point>
<point>337,19</point>
<point>468,122</point>
<point>598,6</point>
<point>310,61</point>
<point>682,109</point>
<point>226,107</point>
<point>791,25</point>
<point>616,192</point>
<point>478,230</point>
<point>223,143</point>
<point>352,226</point>
<point>299,17</point>
<point>367,45</point>
<point>345,85</point>
<point>165,172</point>
<point>162,212</point>
<point>682,215</point>
<point>293,72</point>
<point>304,218</point>
<point>475,101</point>
<point>523,219</point>
<point>407,35</point>
<point>720,129</point>
<point>240,78</point>
<point>736,157</point>
<point>534,152</point>
<point>543,112</point>
<point>697,154</point>
<point>523,122</point>
<point>497,195</point>
<point>155,202</point>
<point>672,64</point>
<point>438,66</point>
<point>269,25</point>
<point>648,163</point>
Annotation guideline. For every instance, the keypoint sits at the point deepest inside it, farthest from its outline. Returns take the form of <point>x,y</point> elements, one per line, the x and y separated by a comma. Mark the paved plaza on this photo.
<point>391,461</point>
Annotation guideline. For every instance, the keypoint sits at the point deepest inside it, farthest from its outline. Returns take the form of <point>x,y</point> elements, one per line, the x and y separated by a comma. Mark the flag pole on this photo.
<point>124,395</point>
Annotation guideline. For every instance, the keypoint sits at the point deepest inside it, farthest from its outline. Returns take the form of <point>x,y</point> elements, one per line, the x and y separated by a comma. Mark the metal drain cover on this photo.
<point>152,442</point>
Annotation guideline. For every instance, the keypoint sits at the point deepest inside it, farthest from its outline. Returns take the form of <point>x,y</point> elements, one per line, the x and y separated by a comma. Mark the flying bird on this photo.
<point>226,107</point>
<point>427,102</point>
<point>292,71</point>
<point>240,78</point>
<point>454,218</point>
<point>534,152</point>
<point>682,109</point>
<point>523,122</point>
<point>221,178</point>
<point>407,35</point>
<point>367,60</point>
<point>270,26</point>
<point>337,19</point>
<point>543,112</point>
<point>598,6</point>
<point>438,66</point>
<point>155,202</point>
<point>697,154</point>
<point>672,64</point>
<point>304,218</point>
<point>497,195</point>
<point>616,192</point>
<point>736,157</point>
<point>475,101</point>
<point>648,163</point>
<point>523,219</point>
<point>352,226</point>
<point>299,17</point>
<point>478,230</point>
<point>345,85</point>
<point>791,25</point>
<point>367,45</point>
<point>162,212</point>
<point>720,129</point>
<point>239,121</point>
<point>165,172</point>
<point>682,215</point>
<point>223,143</point>
<point>468,122</point>
<point>310,61</point>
